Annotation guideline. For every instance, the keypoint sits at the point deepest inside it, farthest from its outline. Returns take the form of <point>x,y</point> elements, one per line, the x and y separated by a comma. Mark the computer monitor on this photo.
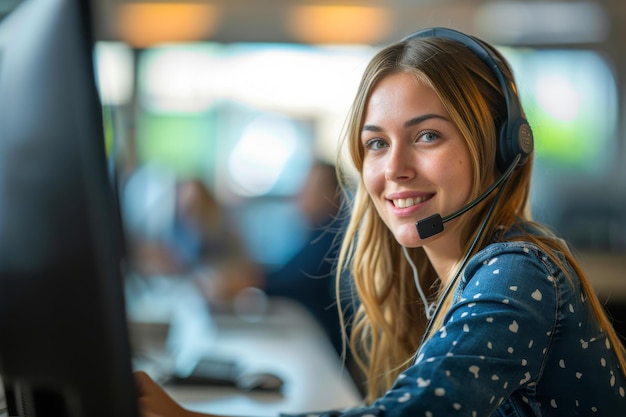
<point>64,346</point>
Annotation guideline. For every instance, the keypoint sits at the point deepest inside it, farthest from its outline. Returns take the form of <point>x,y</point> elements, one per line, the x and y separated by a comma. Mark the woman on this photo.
<point>489,314</point>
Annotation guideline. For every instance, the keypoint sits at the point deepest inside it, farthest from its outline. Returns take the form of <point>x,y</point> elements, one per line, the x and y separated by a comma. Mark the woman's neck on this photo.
<point>444,255</point>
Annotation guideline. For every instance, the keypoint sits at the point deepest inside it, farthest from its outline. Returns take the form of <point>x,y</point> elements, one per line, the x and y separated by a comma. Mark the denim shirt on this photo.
<point>520,340</point>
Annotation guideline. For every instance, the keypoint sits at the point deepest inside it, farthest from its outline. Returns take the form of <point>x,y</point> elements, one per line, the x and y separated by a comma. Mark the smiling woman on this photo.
<point>480,270</point>
<point>516,328</point>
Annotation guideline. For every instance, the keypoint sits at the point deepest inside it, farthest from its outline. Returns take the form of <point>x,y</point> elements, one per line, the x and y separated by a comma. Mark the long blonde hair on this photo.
<point>389,321</point>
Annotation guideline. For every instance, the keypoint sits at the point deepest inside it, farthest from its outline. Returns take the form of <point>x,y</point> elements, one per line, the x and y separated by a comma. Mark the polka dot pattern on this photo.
<point>520,340</point>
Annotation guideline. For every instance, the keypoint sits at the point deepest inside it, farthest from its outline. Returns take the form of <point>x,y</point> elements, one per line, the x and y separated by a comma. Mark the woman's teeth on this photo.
<point>408,202</point>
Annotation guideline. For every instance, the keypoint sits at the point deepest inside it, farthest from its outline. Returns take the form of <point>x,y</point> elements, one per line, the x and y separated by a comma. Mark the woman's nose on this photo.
<point>399,165</point>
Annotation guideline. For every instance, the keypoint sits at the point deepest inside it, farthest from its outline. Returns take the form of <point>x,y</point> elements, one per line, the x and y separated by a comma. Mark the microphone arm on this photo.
<point>432,225</point>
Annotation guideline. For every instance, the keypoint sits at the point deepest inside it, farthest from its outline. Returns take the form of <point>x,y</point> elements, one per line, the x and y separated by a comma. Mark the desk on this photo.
<point>286,341</point>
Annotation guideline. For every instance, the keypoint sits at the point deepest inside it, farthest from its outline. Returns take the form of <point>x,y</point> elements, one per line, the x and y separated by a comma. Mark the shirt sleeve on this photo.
<point>493,341</point>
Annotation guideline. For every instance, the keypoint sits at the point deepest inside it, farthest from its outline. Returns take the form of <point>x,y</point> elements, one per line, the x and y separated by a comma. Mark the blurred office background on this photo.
<point>247,94</point>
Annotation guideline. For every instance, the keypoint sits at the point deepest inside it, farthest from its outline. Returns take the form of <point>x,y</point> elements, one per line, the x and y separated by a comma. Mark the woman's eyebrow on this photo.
<point>419,119</point>
<point>371,128</point>
<point>411,122</point>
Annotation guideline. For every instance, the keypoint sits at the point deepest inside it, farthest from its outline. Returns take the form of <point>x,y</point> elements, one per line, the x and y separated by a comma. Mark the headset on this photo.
<point>515,138</point>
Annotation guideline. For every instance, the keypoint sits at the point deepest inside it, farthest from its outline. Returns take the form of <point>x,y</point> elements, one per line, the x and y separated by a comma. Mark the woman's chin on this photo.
<point>408,238</point>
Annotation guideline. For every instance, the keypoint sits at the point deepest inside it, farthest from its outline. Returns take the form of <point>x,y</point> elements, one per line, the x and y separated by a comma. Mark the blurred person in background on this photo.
<point>208,241</point>
<point>308,277</point>
<point>194,238</point>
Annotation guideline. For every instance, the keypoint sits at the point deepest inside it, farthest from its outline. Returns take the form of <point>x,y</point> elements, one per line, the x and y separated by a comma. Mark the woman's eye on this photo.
<point>428,136</point>
<point>375,144</point>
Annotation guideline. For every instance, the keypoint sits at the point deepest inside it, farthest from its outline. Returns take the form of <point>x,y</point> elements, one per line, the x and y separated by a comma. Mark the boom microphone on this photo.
<point>432,225</point>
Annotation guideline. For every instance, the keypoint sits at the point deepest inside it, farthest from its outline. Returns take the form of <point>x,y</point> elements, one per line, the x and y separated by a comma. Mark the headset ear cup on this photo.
<point>515,139</point>
<point>525,141</point>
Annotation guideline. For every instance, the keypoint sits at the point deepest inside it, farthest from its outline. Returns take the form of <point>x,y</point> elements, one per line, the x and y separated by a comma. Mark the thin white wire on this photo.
<point>428,307</point>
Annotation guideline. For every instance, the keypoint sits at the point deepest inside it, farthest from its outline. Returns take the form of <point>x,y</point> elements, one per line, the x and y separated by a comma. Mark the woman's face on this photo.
<point>416,163</point>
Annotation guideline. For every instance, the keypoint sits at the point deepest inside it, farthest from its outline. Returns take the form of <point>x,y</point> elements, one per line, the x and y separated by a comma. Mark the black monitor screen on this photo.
<point>64,348</point>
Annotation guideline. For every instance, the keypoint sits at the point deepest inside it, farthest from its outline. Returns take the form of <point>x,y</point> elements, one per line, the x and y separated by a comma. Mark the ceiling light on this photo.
<point>147,24</point>
<point>339,24</point>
